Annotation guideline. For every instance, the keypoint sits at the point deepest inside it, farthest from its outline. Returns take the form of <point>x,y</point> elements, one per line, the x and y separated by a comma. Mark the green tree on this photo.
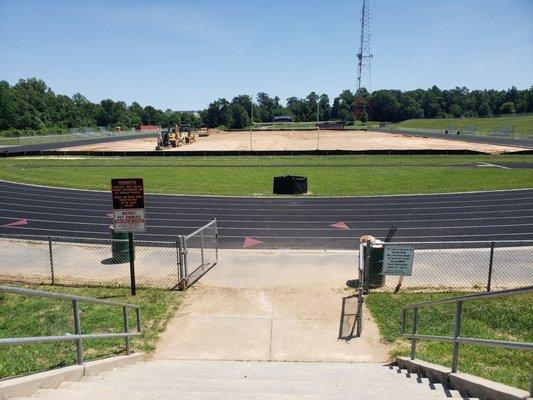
<point>240,118</point>
<point>508,108</point>
<point>484,110</point>
<point>364,117</point>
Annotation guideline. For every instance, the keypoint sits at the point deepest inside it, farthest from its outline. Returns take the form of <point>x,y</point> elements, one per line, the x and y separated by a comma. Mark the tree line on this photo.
<point>31,106</point>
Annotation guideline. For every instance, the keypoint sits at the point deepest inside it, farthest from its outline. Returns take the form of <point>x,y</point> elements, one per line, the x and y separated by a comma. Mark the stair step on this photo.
<point>114,394</point>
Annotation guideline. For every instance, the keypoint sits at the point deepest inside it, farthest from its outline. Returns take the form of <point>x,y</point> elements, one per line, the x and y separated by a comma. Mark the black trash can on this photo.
<point>375,278</point>
<point>290,184</point>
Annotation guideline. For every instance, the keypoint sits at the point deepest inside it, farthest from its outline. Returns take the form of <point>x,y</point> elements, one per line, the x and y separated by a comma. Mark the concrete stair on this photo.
<point>216,380</point>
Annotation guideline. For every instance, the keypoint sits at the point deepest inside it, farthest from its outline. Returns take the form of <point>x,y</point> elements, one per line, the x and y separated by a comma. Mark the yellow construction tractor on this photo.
<point>175,136</point>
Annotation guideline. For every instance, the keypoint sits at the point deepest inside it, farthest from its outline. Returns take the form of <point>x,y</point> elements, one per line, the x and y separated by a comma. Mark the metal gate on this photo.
<point>197,253</point>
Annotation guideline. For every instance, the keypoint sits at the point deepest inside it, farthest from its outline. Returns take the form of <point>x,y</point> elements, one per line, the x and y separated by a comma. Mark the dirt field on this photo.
<point>303,140</point>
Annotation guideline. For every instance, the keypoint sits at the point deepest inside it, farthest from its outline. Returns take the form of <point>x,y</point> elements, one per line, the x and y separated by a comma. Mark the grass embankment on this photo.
<point>33,316</point>
<point>328,176</point>
<point>523,124</point>
<point>502,319</point>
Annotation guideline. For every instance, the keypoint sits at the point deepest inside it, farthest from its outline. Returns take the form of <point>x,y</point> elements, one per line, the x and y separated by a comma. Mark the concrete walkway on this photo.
<point>269,309</point>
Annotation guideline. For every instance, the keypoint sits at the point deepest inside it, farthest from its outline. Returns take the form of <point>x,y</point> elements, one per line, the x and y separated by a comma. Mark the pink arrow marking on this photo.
<point>110,215</point>
<point>340,225</point>
<point>249,242</point>
<point>20,222</point>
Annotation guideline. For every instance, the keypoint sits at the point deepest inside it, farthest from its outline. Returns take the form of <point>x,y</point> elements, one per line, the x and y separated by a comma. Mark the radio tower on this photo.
<point>364,57</point>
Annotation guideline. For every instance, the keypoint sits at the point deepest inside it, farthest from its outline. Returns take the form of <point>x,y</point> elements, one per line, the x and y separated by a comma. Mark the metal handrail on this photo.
<point>457,339</point>
<point>78,336</point>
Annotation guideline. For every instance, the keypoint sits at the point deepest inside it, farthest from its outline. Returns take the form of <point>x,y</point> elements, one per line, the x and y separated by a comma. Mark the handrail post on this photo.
<point>77,329</point>
<point>126,329</point>
<point>415,329</point>
<point>491,261</point>
<point>456,334</point>
<point>138,317</point>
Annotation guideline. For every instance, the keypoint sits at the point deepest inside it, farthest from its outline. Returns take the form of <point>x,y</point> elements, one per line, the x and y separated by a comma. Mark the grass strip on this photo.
<point>502,319</point>
<point>327,176</point>
<point>22,316</point>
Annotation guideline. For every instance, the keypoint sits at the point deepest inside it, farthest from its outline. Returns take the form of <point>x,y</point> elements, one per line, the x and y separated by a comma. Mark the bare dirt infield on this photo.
<point>302,140</point>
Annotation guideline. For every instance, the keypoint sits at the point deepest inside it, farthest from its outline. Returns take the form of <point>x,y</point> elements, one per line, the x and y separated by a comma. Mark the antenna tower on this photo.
<point>364,57</point>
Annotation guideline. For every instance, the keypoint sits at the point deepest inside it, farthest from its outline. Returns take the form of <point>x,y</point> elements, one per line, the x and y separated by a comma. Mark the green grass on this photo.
<point>503,319</point>
<point>328,176</point>
<point>523,124</point>
<point>33,316</point>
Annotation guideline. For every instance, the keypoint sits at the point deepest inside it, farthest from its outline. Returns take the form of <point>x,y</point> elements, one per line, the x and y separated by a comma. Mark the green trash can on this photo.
<point>375,278</point>
<point>120,248</point>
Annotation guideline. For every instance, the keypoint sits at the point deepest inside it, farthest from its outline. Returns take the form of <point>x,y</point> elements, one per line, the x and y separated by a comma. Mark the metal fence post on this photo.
<point>178,260</point>
<point>181,256</point>
<point>50,253</point>
<point>77,329</point>
<point>366,270</point>
<point>491,262</point>
<point>185,256</point>
<point>202,246</point>
<point>415,328</point>
<point>216,239</point>
<point>126,329</point>
<point>456,334</point>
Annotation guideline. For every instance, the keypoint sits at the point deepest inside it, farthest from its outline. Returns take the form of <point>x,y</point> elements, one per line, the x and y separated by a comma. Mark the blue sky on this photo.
<point>184,54</point>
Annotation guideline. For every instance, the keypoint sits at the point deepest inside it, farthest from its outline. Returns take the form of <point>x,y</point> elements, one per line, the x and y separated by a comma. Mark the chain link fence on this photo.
<point>105,262</point>
<point>487,265</point>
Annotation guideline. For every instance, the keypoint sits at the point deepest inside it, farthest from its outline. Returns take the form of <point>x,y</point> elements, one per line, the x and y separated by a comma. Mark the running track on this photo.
<point>277,222</point>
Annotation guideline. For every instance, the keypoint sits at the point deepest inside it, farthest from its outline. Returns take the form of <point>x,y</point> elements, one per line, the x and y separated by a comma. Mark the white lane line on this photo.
<point>286,229</point>
<point>302,204</point>
<point>495,191</point>
<point>209,214</point>
<point>284,221</point>
<point>494,165</point>
<point>354,238</point>
<point>277,209</point>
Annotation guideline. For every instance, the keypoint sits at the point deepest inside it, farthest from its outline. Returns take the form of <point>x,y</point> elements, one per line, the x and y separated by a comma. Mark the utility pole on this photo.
<point>251,120</point>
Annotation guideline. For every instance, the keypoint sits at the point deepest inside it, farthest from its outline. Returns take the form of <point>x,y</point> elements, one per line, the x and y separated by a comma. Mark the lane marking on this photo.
<point>210,215</point>
<point>396,218</point>
<point>221,228</point>
<point>340,225</point>
<point>17,223</point>
<point>486,164</point>
<point>322,201</point>
<point>250,242</point>
<point>277,209</point>
<point>490,235</point>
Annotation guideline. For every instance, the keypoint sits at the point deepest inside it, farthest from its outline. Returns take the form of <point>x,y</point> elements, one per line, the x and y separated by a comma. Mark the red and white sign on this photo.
<point>132,220</point>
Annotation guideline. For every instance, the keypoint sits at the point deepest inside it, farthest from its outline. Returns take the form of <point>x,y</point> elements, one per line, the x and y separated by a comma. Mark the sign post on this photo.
<point>129,214</point>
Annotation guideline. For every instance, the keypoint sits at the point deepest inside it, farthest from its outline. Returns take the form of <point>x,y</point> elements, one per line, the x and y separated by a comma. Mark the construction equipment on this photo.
<point>202,132</point>
<point>175,136</point>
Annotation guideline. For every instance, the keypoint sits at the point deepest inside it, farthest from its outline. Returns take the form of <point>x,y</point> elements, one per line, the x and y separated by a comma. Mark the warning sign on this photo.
<point>129,220</point>
<point>128,205</point>
<point>398,260</point>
